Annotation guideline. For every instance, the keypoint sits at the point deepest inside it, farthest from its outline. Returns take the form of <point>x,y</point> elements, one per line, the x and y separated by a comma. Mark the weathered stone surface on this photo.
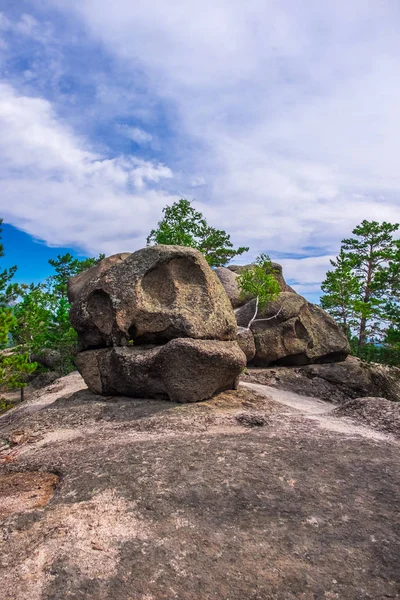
<point>378,413</point>
<point>44,379</point>
<point>292,331</point>
<point>183,370</point>
<point>358,378</point>
<point>336,382</point>
<point>77,283</point>
<point>228,280</point>
<point>154,295</point>
<point>246,342</point>
<point>194,370</point>
<point>284,287</point>
<point>245,313</point>
<point>161,501</point>
<point>21,492</point>
<point>126,371</point>
<point>48,358</point>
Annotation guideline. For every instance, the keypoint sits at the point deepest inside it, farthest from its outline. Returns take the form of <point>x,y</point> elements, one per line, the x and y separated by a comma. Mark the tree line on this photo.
<point>361,291</point>
<point>34,320</point>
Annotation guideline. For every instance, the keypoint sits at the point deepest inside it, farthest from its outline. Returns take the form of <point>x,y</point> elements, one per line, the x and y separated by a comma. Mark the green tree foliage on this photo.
<point>9,292</point>
<point>259,282</point>
<point>65,267</point>
<point>42,316</point>
<point>182,225</point>
<point>7,322</point>
<point>362,291</point>
<point>32,317</point>
<point>15,367</point>
<point>14,371</point>
<point>371,251</point>
<point>341,289</point>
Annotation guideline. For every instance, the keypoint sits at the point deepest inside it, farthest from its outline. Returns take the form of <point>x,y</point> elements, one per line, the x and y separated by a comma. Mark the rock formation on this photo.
<point>157,324</point>
<point>246,342</point>
<point>290,331</point>
<point>336,382</point>
<point>228,279</point>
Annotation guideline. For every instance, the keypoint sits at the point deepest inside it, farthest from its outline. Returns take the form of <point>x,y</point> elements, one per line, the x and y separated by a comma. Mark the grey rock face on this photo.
<point>77,283</point>
<point>228,279</point>
<point>292,331</point>
<point>155,324</point>
<point>245,314</point>
<point>246,342</point>
<point>358,378</point>
<point>48,358</point>
<point>154,295</point>
<point>183,370</point>
<point>335,382</point>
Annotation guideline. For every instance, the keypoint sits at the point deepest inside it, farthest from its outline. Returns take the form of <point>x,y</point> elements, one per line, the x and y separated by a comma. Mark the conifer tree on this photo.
<point>362,292</point>
<point>182,225</point>
<point>342,289</point>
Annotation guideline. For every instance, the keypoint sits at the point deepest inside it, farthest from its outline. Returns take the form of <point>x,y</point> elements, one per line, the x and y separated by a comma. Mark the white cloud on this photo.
<point>290,110</point>
<point>4,22</point>
<point>306,274</point>
<point>135,134</point>
<point>27,25</point>
<point>294,107</point>
<point>58,189</point>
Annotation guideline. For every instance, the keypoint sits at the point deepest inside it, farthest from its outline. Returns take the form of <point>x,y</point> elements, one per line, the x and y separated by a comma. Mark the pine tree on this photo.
<point>9,292</point>
<point>15,367</point>
<point>371,252</point>
<point>362,292</point>
<point>14,371</point>
<point>66,266</point>
<point>342,288</point>
<point>182,225</point>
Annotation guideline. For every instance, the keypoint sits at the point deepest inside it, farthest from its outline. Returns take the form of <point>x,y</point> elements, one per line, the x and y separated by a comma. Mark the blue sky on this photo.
<point>281,121</point>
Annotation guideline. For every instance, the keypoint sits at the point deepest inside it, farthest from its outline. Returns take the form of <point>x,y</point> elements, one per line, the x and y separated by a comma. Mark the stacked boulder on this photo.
<point>155,324</point>
<point>290,331</point>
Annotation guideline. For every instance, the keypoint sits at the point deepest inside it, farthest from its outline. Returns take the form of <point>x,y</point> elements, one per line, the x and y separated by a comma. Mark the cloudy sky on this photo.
<point>279,118</point>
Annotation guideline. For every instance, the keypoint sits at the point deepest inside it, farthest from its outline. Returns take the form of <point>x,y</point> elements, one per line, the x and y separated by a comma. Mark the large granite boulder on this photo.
<point>356,378</point>
<point>292,331</point>
<point>246,313</point>
<point>77,283</point>
<point>151,296</point>
<point>155,324</point>
<point>228,279</point>
<point>336,382</point>
<point>246,343</point>
<point>183,370</point>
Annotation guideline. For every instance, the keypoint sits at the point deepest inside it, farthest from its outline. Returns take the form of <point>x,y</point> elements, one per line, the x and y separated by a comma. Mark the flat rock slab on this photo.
<point>160,501</point>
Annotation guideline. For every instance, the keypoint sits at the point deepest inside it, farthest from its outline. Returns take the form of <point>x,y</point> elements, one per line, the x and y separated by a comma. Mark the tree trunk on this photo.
<point>362,335</point>
<point>22,394</point>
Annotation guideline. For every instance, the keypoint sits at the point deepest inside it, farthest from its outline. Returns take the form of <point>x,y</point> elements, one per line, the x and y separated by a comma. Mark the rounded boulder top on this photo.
<point>151,296</point>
